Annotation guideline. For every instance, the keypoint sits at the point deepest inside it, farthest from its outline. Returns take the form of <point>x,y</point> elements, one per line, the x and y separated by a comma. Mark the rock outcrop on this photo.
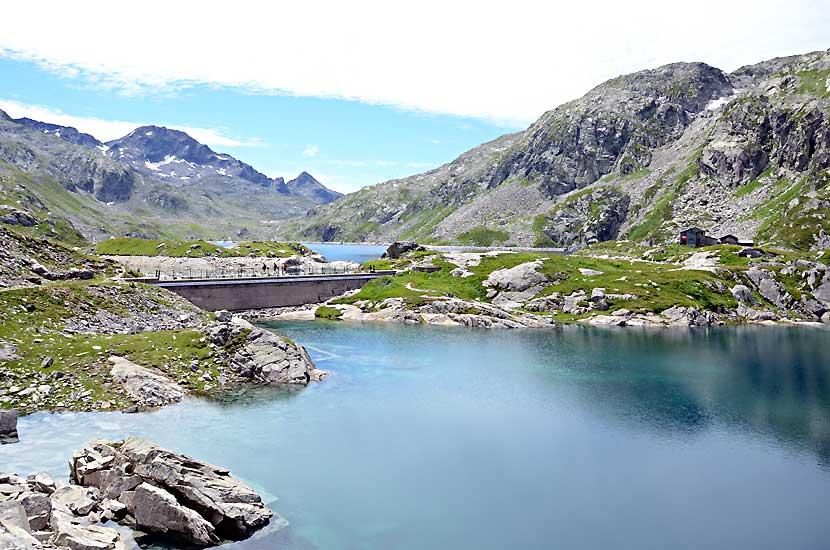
<point>262,355</point>
<point>133,483</point>
<point>169,493</point>
<point>399,248</point>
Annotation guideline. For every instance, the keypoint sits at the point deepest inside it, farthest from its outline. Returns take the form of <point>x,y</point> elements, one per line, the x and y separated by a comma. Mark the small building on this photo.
<point>426,268</point>
<point>693,236</point>
<point>696,237</point>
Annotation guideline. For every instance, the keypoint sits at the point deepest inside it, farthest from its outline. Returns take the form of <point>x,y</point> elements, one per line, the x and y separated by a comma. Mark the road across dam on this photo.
<point>263,292</point>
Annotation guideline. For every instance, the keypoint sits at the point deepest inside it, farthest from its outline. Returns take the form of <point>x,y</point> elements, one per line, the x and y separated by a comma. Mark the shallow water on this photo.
<point>348,252</point>
<point>427,437</point>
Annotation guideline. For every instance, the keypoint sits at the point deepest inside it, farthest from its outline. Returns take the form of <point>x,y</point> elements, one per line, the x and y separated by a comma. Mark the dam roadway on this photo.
<point>242,293</point>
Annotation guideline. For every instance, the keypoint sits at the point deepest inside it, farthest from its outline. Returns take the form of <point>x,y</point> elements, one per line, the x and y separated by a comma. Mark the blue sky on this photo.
<point>359,92</point>
<point>345,144</point>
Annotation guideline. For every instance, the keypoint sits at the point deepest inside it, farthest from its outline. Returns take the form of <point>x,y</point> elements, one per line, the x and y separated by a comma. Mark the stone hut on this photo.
<point>729,239</point>
<point>692,236</point>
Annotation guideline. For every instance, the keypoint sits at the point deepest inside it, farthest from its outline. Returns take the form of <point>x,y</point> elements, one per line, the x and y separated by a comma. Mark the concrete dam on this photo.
<point>264,292</point>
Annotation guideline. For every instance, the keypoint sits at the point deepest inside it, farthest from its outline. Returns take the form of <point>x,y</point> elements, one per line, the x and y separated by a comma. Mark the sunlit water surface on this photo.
<point>348,252</point>
<point>427,437</point>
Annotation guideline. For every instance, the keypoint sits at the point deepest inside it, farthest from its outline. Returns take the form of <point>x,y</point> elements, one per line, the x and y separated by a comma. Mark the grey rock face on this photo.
<point>616,124</point>
<point>143,385</point>
<point>74,536</point>
<point>756,132</point>
<point>689,317</point>
<point>589,219</point>
<point>38,509</point>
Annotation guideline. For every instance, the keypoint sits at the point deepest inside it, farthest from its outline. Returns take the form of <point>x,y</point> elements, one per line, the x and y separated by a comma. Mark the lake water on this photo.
<point>335,251</point>
<point>428,437</point>
<point>348,252</point>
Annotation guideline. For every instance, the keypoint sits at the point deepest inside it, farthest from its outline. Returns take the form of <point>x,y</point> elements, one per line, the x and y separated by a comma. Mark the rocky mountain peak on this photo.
<point>155,143</point>
<point>614,127</point>
<point>176,157</point>
<point>690,85</point>
<point>305,185</point>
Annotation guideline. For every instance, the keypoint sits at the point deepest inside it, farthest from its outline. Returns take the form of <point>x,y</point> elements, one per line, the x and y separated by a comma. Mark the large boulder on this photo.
<point>13,216</point>
<point>157,510</point>
<point>169,493</point>
<point>743,294</point>
<point>8,426</point>
<point>399,248</point>
<point>143,385</point>
<point>513,286</point>
<point>516,279</point>
<point>15,532</point>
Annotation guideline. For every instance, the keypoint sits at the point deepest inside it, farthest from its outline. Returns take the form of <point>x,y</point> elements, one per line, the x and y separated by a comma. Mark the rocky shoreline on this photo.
<point>232,352</point>
<point>139,487</point>
<point>528,293</point>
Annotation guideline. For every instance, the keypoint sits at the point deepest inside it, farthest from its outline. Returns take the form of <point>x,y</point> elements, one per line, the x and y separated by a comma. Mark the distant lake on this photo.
<point>580,438</point>
<point>348,252</point>
<point>335,252</point>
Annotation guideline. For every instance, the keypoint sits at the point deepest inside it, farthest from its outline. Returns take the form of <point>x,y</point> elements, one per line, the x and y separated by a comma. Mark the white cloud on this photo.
<point>106,130</point>
<point>466,57</point>
<point>311,151</point>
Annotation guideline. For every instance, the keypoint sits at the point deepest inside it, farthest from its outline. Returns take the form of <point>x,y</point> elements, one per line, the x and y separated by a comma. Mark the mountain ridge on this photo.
<point>161,152</point>
<point>639,156</point>
<point>77,190</point>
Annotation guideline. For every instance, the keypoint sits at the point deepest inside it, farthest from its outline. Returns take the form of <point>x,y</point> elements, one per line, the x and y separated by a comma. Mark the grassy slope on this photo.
<point>131,246</point>
<point>657,282</point>
<point>33,320</point>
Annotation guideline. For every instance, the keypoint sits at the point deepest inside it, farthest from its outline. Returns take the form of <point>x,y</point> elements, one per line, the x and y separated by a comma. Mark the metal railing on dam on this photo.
<point>249,272</point>
<point>238,293</point>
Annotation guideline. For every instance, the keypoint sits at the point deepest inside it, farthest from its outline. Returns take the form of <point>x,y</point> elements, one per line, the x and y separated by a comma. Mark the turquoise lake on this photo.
<point>348,252</point>
<point>433,438</point>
